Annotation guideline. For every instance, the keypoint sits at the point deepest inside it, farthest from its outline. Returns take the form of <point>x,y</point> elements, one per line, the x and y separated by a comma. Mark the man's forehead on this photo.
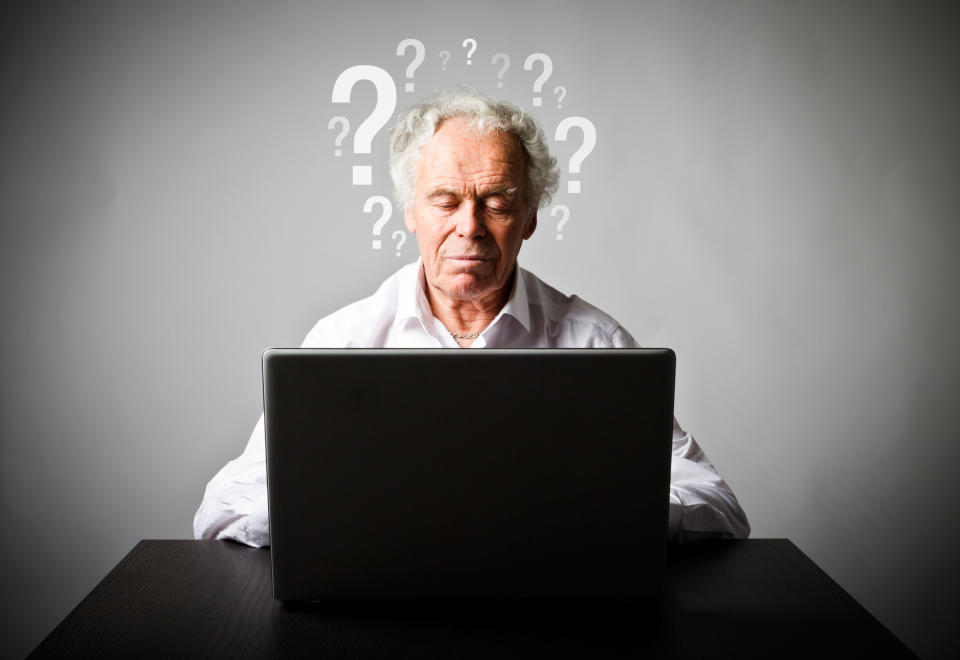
<point>458,149</point>
<point>457,138</point>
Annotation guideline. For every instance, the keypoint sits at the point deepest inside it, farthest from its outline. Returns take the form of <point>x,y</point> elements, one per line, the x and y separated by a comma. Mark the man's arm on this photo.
<point>701,503</point>
<point>235,502</point>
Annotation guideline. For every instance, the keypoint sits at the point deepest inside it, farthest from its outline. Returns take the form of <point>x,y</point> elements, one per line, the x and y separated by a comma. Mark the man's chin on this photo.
<point>466,285</point>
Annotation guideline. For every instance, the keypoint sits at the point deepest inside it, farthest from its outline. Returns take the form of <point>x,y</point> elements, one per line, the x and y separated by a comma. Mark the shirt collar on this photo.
<point>412,302</point>
<point>518,304</point>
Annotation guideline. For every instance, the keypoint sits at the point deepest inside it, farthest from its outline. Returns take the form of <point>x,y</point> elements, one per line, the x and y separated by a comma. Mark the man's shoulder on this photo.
<point>558,308</point>
<point>360,323</point>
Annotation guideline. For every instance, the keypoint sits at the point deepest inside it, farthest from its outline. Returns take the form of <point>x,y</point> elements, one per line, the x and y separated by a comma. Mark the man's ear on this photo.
<point>409,220</point>
<point>531,225</point>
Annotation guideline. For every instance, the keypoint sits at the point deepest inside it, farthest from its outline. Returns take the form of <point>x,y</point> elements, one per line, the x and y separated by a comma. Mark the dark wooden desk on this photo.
<point>725,599</point>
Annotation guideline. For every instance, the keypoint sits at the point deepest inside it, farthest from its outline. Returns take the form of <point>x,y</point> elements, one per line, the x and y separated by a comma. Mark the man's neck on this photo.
<point>471,315</point>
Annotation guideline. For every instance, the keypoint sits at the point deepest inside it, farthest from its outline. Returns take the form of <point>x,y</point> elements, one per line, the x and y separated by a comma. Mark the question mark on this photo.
<point>565,212</point>
<point>562,94</point>
<point>345,128</point>
<point>502,57</point>
<point>547,70</point>
<point>386,104</point>
<point>445,59</point>
<point>471,46</point>
<point>386,212</point>
<point>403,239</point>
<point>417,59</point>
<point>589,142</point>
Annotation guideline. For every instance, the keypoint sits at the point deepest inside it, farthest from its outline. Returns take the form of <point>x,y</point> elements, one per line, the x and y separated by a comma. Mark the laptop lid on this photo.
<point>401,473</point>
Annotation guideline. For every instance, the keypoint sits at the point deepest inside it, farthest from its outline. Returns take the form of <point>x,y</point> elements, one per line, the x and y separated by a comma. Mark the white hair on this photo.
<point>417,125</point>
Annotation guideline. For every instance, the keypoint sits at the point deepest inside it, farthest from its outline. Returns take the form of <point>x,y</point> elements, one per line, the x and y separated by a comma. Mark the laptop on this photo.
<point>445,474</point>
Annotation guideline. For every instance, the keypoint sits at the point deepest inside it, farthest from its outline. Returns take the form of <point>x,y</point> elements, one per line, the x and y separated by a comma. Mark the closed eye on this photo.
<point>498,206</point>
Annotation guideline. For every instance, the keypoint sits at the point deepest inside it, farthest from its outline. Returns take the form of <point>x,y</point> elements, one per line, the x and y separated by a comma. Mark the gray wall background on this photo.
<point>773,194</point>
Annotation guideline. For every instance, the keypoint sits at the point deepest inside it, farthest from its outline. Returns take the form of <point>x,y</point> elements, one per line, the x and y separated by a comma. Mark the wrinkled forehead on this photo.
<point>458,149</point>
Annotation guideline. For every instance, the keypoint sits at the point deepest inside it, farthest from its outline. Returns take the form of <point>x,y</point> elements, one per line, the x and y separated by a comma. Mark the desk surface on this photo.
<point>725,599</point>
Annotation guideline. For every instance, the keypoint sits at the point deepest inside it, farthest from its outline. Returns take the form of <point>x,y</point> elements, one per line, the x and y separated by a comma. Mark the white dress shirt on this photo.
<point>536,315</point>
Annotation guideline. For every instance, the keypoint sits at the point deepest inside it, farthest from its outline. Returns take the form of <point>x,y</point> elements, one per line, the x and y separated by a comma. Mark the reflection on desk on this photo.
<point>725,599</point>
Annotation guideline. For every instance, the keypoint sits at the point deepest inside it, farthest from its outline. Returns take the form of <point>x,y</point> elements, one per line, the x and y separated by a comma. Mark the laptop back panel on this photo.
<point>468,474</point>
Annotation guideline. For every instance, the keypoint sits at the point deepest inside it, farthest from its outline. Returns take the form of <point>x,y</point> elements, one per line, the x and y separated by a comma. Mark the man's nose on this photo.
<point>470,220</point>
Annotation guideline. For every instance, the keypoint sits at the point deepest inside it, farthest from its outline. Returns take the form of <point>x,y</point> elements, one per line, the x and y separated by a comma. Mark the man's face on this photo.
<point>470,211</point>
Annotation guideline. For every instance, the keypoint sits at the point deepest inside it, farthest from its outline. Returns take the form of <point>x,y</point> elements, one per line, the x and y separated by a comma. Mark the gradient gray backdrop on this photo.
<point>774,194</point>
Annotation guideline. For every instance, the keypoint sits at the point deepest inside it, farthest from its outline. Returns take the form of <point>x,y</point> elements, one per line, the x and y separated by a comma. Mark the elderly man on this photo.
<point>471,173</point>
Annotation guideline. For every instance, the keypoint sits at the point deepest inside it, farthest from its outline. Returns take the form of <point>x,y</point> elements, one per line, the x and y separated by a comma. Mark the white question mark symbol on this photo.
<point>565,212</point>
<point>501,57</point>
<point>403,239</point>
<point>417,59</point>
<point>386,104</point>
<point>386,212</point>
<point>547,70</point>
<point>445,56</point>
<point>345,128</point>
<point>471,46</point>
<point>589,142</point>
<point>561,94</point>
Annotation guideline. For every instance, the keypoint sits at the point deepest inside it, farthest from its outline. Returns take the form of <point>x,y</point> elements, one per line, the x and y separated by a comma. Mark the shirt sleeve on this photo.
<point>234,503</point>
<point>701,503</point>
